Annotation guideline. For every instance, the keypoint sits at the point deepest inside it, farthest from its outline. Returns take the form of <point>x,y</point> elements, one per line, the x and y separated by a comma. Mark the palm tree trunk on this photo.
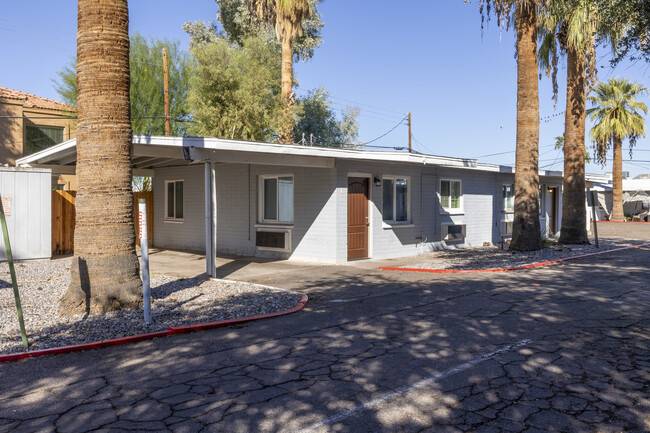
<point>286,121</point>
<point>574,218</point>
<point>526,235</point>
<point>105,271</point>
<point>617,181</point>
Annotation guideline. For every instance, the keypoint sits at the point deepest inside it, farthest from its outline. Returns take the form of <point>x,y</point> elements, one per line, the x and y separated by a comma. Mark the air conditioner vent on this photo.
<point>269,239</point>
<point>453,232</point>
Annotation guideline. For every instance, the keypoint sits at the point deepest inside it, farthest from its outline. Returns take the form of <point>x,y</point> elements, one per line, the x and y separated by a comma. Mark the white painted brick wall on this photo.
<point>319,231</point>
<point>188,235</point>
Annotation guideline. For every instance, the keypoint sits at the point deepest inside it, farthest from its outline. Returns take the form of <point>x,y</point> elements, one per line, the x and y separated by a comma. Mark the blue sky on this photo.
<point>427,57</point>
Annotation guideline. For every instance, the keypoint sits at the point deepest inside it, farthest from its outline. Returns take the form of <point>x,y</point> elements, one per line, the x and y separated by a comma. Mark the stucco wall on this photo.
<point>12,130</point>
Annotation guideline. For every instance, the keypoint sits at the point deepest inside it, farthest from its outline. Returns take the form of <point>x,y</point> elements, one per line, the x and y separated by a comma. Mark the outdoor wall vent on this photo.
<point>274,239</point>
<point>453,232</point>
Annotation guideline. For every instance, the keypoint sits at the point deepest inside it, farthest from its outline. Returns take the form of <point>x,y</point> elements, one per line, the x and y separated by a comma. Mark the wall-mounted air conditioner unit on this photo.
<point>453,232</point>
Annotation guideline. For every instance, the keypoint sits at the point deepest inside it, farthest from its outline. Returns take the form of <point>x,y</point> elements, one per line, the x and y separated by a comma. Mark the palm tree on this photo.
<point>617,116</point>
<point>105,271</point>
<point>287,17</point>
<point>574,26</point>
<point>559,145</point>
<point>526,233</point>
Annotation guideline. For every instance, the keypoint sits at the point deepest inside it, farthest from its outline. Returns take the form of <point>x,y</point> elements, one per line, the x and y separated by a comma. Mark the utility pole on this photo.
<point>166,86</point>
<point>410,132</point>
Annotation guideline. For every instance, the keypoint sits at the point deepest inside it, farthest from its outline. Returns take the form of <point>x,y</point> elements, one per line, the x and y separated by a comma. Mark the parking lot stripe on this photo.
<point>408,388</point>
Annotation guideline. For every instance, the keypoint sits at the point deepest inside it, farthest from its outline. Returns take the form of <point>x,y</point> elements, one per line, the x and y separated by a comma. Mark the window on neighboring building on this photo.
<point>277,199</point>
<point>508,197</point>
<point>38,138</point>
<point>396,199</point>
<point>451,195</point>
<point>174,200</point>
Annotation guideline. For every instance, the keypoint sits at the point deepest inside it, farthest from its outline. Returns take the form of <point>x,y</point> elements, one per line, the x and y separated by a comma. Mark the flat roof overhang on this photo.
<point>151,152</point>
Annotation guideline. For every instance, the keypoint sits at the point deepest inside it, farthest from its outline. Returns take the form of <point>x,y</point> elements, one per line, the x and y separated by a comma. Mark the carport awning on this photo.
<point>151,152</point>
<point>62,158</point>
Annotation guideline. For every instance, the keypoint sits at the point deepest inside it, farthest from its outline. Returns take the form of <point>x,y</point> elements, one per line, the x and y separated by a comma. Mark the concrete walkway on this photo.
<point>253,269</point>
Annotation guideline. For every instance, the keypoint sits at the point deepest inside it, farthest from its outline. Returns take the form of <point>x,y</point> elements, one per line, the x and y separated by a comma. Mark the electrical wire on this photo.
<point>385,134</point>
<point>357,103</point>
<point>37,27</point>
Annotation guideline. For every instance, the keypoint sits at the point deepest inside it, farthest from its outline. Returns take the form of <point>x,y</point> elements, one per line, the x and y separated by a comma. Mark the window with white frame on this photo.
<point>174,200</point>
<point>451,195</point>
<point>508,197</point>
<point>276,199</point>
<point>396,199</point>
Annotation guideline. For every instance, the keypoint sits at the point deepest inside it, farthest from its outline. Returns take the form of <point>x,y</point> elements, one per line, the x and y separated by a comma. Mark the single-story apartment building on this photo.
<point>319,204</point>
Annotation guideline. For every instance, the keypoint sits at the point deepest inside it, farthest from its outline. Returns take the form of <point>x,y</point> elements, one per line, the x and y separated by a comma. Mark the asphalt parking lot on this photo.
<point>560,348</point>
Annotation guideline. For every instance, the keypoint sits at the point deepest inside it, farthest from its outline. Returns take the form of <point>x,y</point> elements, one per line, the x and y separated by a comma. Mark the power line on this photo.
<point>35,35</point>
<point>385,134</point>
<point>547,119</point>
<point>356,102</point>
<point>495,154</point>
<point>37,27</point>
<point>36,45</point>
<point>421,144</point>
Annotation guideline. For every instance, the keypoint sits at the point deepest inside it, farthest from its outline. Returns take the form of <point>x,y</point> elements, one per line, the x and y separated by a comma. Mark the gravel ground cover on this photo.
<point>175,302</point>
<point>493,257</point>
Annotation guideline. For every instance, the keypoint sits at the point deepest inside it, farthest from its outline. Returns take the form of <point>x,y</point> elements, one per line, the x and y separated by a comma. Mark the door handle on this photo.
<point>367,222</point>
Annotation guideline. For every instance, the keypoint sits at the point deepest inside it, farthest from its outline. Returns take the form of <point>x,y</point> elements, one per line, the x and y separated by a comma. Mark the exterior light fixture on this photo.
<point>377,181</point>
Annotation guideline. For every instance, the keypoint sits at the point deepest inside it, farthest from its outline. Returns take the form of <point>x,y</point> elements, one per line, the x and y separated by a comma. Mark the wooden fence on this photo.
<point>63,215</point>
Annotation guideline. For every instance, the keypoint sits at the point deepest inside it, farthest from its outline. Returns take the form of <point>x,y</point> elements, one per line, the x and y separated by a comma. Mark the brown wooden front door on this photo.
<point>357,217</point>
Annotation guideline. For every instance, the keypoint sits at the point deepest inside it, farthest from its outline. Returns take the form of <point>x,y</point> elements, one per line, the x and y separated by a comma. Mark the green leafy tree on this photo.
<point>617,116</point>
<point>147,88</point>
<point>634,15</point>
<point>318,124</point>
<point>237,24</point>
<point>235,90</point>
<point>141,183</point>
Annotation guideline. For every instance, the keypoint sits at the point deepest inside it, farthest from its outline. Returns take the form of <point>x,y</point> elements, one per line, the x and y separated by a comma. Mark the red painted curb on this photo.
<point>518,268</point>
<point>635,222</point>
<point>149,336</point>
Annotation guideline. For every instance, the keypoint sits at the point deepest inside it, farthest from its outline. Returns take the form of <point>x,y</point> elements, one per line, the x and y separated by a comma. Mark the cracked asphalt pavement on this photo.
<point>376,352</point>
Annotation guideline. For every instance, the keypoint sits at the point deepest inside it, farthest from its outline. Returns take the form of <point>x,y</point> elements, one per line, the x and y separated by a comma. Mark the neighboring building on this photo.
<point>636,196</point>
<point>29,124</point>
<point>319,204</point>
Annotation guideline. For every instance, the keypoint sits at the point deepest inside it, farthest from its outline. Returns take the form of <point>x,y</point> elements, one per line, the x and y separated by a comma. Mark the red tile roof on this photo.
<point>34,101</point>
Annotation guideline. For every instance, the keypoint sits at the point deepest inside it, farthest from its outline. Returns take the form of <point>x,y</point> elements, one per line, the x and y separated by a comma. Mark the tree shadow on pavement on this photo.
<point>584,365</point>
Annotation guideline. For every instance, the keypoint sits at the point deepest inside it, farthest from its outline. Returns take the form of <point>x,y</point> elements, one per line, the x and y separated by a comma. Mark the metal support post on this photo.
<point>14,282</point>
<point>144,249</point>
